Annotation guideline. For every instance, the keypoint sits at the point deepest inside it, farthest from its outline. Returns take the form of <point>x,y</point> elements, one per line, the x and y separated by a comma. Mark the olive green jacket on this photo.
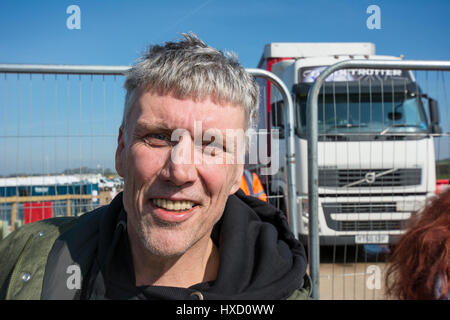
<point>24,257</point>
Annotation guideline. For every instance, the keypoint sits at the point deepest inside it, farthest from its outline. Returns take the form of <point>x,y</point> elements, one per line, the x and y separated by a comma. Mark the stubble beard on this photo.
<point>166,239</point>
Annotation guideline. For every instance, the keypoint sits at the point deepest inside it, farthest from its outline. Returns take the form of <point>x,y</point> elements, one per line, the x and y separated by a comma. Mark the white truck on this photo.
<point>376,154</point>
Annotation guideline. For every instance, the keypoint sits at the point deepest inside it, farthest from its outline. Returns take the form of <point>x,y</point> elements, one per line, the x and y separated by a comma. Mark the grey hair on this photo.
<point>191,69</point>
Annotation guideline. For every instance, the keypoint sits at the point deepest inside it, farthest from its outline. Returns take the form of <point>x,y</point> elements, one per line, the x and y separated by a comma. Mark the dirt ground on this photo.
<point>352,281</point>
<point>349,273</point>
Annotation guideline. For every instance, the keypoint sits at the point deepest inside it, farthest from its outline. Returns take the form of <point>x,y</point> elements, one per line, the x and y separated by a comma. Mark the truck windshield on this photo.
<point>364,113</point>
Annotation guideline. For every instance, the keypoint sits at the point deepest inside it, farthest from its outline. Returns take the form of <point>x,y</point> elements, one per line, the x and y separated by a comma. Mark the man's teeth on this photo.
<point>173,205</point>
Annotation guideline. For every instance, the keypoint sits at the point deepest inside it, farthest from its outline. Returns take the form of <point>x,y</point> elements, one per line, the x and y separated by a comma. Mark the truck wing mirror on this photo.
<point>434,115</point>
<point>278,117</point>
<point>394,116</point>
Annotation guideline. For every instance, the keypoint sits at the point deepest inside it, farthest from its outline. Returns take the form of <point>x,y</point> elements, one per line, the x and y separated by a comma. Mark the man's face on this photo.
<point>174,193</point>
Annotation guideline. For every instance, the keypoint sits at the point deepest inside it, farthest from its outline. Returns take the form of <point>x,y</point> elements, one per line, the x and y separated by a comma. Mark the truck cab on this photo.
<point>375,150</point>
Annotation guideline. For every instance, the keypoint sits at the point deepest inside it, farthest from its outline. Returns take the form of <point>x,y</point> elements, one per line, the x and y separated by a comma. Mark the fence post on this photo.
<point>13,215</point>
<point>289,120</point>
<point>68,208</point>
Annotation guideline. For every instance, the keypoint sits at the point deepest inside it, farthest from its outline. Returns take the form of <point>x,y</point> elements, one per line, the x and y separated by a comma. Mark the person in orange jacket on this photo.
<point>252,186</point>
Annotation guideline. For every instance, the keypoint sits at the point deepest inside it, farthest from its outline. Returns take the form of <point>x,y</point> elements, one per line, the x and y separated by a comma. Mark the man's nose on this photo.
<point>179,167</point>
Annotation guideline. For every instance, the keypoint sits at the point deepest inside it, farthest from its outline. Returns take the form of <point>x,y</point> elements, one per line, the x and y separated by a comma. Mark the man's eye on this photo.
<point>159,136</point>
<point>158,139</point>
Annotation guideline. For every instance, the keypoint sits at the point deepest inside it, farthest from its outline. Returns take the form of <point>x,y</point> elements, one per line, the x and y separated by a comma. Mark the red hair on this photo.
<point>422,255</point>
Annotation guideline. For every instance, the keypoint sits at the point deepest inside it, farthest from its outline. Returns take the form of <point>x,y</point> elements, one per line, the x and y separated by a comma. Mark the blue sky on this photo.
<point>116,32</point>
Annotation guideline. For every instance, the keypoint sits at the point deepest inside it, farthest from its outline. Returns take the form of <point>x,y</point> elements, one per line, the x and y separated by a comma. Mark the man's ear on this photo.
<point>237,180</point>
<point>120,153</point>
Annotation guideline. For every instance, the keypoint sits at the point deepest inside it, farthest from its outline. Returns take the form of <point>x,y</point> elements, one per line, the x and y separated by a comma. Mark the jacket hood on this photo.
<point>259,256</point>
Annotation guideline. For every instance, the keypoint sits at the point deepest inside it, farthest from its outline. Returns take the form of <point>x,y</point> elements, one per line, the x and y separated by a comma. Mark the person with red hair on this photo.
<point>420,264</point>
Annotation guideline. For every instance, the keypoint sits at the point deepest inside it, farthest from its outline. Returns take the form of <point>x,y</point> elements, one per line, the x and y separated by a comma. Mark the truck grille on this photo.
<point>380,225</point>
<point>362,208</point>
<point>344,177</point>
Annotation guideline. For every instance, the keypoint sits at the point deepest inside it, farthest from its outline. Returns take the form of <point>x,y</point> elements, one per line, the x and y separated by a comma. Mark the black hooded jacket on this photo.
<point>259,258</point>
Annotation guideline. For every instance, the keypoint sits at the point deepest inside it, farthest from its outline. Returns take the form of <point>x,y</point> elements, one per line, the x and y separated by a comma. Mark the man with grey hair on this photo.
<point>181,229</point>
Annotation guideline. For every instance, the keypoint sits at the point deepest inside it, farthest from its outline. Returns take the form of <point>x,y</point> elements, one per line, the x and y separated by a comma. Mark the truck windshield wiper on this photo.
<point>398,125</point>
<point>347,125</point>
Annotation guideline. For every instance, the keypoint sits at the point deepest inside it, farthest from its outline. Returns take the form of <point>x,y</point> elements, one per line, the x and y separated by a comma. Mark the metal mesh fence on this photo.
<point>59,126</point>
<point>381,157</point>
<point>59,131</point>
<point>58,134</point>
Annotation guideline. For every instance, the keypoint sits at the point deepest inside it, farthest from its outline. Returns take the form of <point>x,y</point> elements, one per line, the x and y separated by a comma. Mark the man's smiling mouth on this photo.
<point>173,205</point>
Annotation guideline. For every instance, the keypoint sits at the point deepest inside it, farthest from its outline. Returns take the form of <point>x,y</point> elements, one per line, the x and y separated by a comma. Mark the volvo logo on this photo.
<point>370,177</point>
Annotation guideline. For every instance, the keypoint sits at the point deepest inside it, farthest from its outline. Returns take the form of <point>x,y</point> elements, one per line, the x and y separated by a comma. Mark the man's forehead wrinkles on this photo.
<point>143,125</point>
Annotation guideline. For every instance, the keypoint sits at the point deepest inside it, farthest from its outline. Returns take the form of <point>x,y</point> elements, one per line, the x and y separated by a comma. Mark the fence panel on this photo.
<point>376,156</point>
<point>63,121</point>
<point>59,126</point>
<point>58,131</point>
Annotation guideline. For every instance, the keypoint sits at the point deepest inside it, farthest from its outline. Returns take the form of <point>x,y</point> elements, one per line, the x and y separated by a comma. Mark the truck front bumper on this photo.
<point>342,240</point>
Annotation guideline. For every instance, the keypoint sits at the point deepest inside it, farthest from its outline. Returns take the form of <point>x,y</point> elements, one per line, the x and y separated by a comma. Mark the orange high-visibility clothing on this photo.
<point>252,186</point>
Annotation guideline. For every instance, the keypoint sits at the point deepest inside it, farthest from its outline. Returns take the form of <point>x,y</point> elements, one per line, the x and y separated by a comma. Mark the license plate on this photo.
<point>372,238</point>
